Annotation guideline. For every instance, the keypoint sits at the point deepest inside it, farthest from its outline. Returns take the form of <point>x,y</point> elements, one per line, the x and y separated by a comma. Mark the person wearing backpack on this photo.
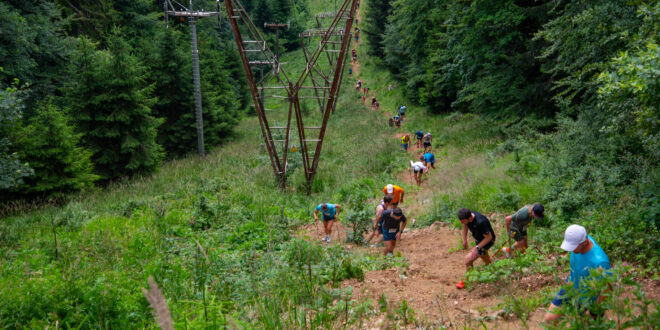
<point>405,141</point>
<point>419,135</point>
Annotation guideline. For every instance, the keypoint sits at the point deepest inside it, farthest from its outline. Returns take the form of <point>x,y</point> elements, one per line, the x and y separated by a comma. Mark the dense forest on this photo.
<point>586,72</point>
<point>96,91</point>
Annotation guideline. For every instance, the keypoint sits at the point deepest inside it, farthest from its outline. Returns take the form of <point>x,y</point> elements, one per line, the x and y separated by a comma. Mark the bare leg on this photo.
<point>389,247</point>
<point>552,316</point>
<point>521,245</point>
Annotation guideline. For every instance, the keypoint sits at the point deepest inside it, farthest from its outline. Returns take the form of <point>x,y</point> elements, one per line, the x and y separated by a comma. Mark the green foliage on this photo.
<point>34,47</point>
<point>12,169</point>
<point>52,148</point>
<point>110,102</point>
<point>374,18</point>
<point>625,310</point>
<point>531,262</point>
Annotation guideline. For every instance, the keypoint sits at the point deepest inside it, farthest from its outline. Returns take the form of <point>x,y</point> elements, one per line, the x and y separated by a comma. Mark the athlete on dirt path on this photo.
<point>397,193</point>
<point>427,141</point>
<point>483,234</point>
<point>586,256</point>
<point>428,159</point>
<point>393,223</point>
<point>385,204</point>
<point>329,212</point>
<point>419,135</point>
<point>419,169</point>
<point>405,141</point>
<point>516,224</point>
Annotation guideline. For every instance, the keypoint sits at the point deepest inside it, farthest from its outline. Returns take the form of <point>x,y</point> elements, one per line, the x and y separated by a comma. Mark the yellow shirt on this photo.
<point>405,139</point>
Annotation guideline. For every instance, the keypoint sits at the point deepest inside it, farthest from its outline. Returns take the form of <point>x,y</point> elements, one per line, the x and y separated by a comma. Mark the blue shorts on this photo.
<point>387,236</point>
<point>404,145</point>
<point>432,160</point>
<point>563,296</point>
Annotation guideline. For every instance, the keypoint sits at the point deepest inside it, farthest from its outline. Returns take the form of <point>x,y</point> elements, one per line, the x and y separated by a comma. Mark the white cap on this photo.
<point>390,188</point>
<point>574,236</point>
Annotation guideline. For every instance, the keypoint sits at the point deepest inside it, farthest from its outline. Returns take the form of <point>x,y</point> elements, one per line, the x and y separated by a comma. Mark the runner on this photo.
<point>405,140</point>
<point>393,223</point>
<point>377,105</point>
<point>419,168</point>
<point>402,111</point>
<point>428,158</point>
<point>373,103</point>
<point>350,71</point>
<point>397,121</point>
<point>586,256</point>
<point>396,192</point>
<point>329,212</point>
<point>385,204</point>
<point>419,135</point>
<point>516,224</point>
<point>427,141</point>
<point>483,234</point>
<point>358,85</point>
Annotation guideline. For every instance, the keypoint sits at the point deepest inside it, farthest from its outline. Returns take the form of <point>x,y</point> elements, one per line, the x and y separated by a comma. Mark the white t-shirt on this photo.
<point>417,166</point>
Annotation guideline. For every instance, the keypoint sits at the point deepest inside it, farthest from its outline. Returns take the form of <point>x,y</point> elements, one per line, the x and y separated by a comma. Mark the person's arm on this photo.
<point>402,226</point>
<point>487,238</point>
<point>464,236</point>
<point>508,220</point>
<point>337,210</point>
<point>316,218</point>
<point>402,194</point>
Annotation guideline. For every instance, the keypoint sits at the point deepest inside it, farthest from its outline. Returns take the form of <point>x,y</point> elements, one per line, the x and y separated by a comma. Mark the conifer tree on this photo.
<point>111,103</point>
<point>51,146</point>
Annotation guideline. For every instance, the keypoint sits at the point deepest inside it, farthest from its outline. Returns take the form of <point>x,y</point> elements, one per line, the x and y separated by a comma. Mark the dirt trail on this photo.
<point>436,260</point>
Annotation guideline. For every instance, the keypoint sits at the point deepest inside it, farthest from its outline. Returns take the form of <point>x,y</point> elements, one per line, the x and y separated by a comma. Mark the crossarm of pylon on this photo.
<point>237,8</point>
<point>333,26</point>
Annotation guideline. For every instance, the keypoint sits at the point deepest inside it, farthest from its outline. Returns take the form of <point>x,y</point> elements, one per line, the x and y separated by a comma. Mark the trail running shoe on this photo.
<point>324,239</point>
<point>329,239</point>
<point>460,285</point>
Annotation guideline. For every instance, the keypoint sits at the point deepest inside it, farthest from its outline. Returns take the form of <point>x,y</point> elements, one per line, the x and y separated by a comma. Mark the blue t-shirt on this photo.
<point>583,263</point>
<point>329,213</point>
<point>429,157</point>
<point>419,134</point>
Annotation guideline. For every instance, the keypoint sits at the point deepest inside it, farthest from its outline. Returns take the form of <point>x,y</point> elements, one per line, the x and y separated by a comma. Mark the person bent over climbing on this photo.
<point>483,234</point>
<point>405,142</point>
<point>419,169</point>
<point>427,142</point>
<point>329,212</point>
<point>428,159</point>
<point>393,222</point>
<point>396,192</point>
<point>419,135</point>
<point>586,256</point>
<point>385,204</point>
<point>516,224</point>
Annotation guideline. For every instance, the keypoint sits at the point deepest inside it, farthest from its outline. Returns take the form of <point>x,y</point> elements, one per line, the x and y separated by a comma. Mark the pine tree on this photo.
<point>375,20</point>
<point>51,146</point>
<point>12,169</point>
<point>111,103</point>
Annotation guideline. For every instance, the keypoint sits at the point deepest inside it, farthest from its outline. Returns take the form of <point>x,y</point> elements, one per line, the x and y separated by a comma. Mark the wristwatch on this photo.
<point>478,249</point>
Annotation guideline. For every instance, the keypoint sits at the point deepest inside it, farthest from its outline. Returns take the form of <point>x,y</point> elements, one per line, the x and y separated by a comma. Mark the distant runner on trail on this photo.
<point>419,169</point>
<point>397,121</point>
<point>586,256</point>
<point>427,141</point>
<point>405,141</point>
<point>402,111</point>
<point>428,159</point>
<point>393,222</point>
<point>483,234</point>
<point>396,192</point>
<point>516,224</point>
<point>419,135</point>
<point>329,212</point>
<point>385,204</point>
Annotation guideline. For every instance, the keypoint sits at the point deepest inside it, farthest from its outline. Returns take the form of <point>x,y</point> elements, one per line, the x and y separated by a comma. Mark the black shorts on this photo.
<point>328,219</point>
<point>427,144</point>
<point>518,235</point>
<point>419,139</point>
<point>419,171</point>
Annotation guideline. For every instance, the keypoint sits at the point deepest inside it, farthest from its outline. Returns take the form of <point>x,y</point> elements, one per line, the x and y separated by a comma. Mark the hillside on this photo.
<point>230,249</point>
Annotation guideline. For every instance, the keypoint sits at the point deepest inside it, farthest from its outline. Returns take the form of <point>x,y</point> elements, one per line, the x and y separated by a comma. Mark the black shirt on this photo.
<point>389,222</point>
<point>480,226</point>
